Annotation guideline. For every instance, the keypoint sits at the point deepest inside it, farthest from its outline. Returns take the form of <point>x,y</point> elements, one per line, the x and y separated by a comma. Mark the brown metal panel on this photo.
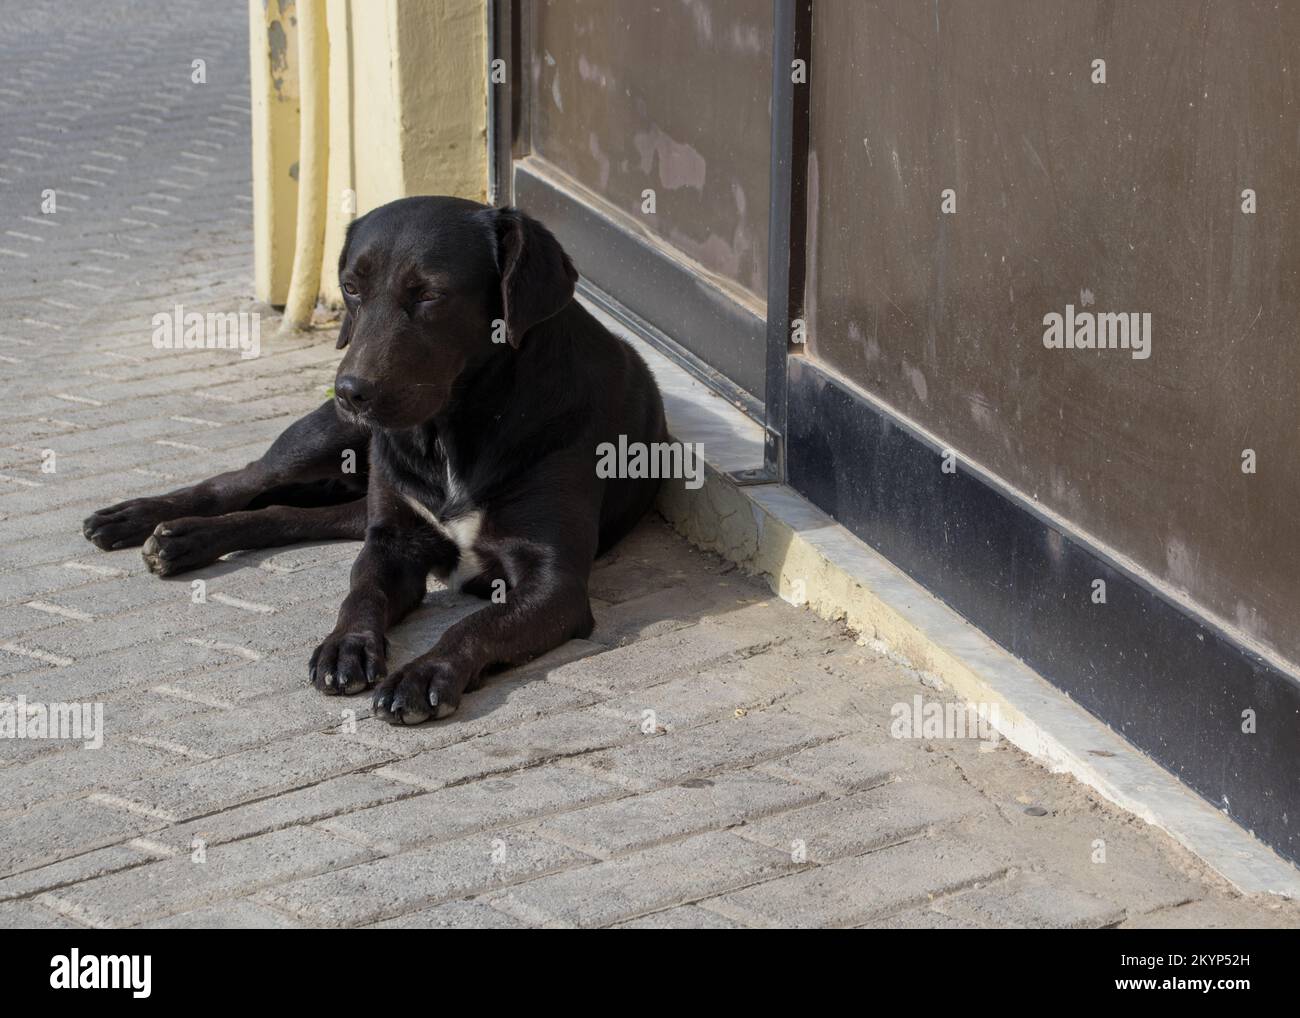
<point>1117,197</point>
<point>673,97</point>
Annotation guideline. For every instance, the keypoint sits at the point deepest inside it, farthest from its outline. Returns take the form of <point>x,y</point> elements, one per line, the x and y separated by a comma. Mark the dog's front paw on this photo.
<point>179,545</point>
<point>423,689</point>
<point>347,663</point>
<point>128,523</point>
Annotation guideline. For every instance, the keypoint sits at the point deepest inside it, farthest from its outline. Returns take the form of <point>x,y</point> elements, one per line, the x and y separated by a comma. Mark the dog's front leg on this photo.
<point>310,449</point>
<point>178,545</point>
<point>388,582</point>
<point>545,604</point>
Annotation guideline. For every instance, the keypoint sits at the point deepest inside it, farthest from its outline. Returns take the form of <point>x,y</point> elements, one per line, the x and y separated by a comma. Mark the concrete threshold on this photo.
<point>810,560</point>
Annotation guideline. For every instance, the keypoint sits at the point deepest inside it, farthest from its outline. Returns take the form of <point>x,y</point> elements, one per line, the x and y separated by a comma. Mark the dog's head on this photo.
<point>435,289</point>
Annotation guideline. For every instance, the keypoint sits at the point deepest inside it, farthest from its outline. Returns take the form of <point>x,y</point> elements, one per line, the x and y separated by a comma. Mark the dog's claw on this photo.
<point>346,663</point>
<point>180,545</point>
<point>127,523</point>
<point>417,692</point>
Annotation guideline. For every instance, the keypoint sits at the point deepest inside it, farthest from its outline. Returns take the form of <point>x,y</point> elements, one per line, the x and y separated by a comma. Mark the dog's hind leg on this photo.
<point>193,541</point>
<point>313,448</point>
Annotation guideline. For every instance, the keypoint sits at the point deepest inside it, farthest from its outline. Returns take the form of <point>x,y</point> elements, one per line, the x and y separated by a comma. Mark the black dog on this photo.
<point>473,397</point>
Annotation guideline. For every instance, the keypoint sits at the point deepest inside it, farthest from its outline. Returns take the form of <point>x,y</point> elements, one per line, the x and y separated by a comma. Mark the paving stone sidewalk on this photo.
<point>711,757</point>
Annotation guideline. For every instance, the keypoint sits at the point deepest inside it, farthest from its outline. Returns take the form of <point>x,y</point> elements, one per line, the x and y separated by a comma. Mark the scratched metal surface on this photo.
<point>673,97</point>
<point>1130,190</point>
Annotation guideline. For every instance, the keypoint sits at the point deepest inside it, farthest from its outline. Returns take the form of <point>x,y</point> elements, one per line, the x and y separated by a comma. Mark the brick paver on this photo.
<point>710,757</point>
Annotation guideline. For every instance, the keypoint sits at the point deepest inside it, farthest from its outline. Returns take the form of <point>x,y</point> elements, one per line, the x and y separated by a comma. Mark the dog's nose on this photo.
<point>353,392</point>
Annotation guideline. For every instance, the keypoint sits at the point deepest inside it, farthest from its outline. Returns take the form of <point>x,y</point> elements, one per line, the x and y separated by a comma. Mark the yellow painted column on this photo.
<point>441,75</point>
<point>313,156</point>
<point>273,67</point>
<point>341,205</point>
<point>406,114</point>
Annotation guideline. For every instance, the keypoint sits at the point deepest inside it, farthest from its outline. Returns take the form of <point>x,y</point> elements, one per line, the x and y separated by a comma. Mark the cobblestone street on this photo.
<point>712,756</point>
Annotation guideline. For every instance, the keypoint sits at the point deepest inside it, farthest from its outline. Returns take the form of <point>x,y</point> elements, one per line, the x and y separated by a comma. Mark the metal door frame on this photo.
<point>652,295</point>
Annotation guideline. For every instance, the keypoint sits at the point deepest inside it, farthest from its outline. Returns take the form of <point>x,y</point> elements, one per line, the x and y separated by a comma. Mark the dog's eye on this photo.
<point>350,289</point>
<point>428,296</point>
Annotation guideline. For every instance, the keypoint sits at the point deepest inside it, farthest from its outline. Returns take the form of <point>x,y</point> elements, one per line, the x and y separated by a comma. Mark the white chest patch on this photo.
<point>462,531</point>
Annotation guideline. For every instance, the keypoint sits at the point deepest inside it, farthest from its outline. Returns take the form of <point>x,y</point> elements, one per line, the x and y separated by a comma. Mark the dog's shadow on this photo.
<point>651,584</point>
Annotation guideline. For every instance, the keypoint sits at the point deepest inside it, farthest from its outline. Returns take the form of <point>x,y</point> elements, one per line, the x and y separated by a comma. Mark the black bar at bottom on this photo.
<point>1220,966</point>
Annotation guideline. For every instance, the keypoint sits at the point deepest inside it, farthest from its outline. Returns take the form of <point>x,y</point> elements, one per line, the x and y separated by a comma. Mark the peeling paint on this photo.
<point>703,18</point>
<point>680,165</point>
<point>602,160</point>
<point>277,44</point>
<point>918,382</point>
<point>588,71</point>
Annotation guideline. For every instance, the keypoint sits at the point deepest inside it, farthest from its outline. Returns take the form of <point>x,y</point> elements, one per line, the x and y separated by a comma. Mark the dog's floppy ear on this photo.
<point>537,277</point>
<point>345,326</point>
<point>345,330</point>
